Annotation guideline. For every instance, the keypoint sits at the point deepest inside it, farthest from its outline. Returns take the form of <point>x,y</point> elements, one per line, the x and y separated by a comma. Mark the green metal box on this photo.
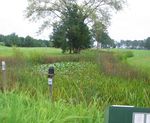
<point>126,114</point>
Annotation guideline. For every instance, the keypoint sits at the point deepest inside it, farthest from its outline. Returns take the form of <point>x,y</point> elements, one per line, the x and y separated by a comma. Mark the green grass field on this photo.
<point>82,88</point>
<point>9,51</point>
<point>141,59</point>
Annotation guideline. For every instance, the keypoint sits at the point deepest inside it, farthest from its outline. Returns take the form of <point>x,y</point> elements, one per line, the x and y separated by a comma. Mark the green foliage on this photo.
<point>78,34</point>
<point>73,18</point>
<point>20,108</point>
<point>147,43</point>
<point>14,40</point>
<point>71,33</point>
<point>106,41</point>
<point>100,34</point>
<point>129,54</point>
<point>59,37</point>
<point>37,57</point>
<point>124,55</point>
<point>81,90</point>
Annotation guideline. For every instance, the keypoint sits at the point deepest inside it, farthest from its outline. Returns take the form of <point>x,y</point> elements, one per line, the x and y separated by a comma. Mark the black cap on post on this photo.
<point>51,72</point>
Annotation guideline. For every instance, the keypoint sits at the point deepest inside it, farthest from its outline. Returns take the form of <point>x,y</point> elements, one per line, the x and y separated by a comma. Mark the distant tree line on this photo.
<point>28,41</point>
<point>135,44</point>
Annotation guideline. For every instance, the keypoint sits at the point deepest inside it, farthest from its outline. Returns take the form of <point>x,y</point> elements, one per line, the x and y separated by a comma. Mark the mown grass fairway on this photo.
<point>5,51</point>
<point>9,51</point>
<point>84,85</point>
<point>141,59</point>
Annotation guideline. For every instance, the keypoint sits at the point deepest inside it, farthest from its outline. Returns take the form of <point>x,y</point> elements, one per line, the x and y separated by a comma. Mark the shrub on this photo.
<point>37,57</point>
<point>123,55</point>
<point>129,54</point>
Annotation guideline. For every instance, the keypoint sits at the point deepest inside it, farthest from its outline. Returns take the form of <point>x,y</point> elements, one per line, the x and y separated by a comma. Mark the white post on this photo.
<point>50,80</point>
<point>3,66</point>
<point>3,75</point>
<point>50,83</point>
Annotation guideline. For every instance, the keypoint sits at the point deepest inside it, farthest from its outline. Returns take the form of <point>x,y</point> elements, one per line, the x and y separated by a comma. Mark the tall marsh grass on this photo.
<point>82,87</point>
<point>115,64</point>
<point>20,108</point>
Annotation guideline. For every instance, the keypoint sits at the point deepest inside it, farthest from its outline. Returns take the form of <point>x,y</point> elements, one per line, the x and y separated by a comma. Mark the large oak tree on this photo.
<point>93,11</point>
<point>53,10</point>
<point>72,33</point>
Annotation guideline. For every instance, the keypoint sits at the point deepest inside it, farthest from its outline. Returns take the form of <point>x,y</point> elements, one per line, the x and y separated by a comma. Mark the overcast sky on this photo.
<point>132,23</point>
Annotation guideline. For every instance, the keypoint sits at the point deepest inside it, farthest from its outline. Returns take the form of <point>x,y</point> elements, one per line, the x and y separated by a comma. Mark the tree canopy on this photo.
<point>72,19</point>
<point>51,11</point>
<point>71,33</point>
